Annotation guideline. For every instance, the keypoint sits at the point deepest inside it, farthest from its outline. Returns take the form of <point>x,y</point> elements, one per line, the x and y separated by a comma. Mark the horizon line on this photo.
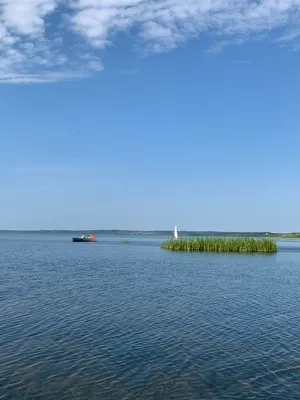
<point>135,230</point>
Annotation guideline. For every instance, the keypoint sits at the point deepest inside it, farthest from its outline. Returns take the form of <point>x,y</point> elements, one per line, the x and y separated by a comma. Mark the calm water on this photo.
<point>119,321</point>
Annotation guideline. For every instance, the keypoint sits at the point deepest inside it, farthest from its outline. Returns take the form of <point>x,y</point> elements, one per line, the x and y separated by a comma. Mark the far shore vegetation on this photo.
<point>289,236</point>
<point>222,245</point>
<point>193,234</point>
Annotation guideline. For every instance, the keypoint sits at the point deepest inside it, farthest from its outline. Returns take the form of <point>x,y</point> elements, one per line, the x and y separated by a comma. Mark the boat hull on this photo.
<point>82,239</point>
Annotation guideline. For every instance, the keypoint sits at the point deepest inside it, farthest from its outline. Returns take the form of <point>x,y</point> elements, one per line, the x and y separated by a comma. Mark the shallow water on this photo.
<point>112,321</point>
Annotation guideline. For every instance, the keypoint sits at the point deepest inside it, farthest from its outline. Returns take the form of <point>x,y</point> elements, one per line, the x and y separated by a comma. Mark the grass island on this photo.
<point>222,245</point>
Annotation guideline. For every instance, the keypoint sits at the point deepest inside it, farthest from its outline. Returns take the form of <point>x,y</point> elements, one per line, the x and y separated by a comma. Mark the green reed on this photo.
<point>222,245</point>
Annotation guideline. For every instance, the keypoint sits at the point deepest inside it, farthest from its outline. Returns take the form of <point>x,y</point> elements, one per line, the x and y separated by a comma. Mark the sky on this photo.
<point>134,114</point>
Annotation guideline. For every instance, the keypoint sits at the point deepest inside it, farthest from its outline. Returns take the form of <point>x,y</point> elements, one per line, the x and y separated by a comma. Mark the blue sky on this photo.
<point>126,114</point>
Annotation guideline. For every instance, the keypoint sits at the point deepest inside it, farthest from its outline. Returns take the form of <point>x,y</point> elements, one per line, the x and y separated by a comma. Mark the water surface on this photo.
<point>108,320</point>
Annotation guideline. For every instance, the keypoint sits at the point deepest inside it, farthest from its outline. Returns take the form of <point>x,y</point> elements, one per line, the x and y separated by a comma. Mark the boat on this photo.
<point>175,235</point>
<point>83,238</point>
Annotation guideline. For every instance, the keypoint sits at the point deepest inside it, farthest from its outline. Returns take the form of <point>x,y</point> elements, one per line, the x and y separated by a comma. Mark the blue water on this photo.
<point>108,320</point>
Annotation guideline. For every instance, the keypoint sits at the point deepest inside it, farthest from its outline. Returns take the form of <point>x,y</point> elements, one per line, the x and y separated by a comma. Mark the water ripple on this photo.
<point>120,322</point>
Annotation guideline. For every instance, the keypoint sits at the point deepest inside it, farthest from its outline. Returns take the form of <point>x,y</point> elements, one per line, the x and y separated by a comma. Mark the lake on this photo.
<point>109,320</point>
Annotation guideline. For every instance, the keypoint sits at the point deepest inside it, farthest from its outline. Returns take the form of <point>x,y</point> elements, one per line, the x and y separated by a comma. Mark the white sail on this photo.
<point>175,233</point>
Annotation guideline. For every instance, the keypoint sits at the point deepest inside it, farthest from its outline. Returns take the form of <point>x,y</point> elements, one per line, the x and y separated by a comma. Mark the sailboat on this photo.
<point>175,235</point>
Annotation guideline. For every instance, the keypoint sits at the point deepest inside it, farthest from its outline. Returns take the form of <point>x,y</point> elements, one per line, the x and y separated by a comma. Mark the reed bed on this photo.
<point>222,245</point>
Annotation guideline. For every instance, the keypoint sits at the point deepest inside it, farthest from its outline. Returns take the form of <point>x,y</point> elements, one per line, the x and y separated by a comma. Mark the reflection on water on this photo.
<point>110,321</point>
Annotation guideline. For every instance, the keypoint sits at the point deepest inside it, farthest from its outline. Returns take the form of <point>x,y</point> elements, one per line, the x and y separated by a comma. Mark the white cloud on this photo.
<point>32,47</point>
<point>50,40</point>
<point>26,16</point>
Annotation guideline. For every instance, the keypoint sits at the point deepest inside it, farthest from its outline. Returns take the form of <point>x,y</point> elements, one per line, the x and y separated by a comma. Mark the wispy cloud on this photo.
<point>52,40</point>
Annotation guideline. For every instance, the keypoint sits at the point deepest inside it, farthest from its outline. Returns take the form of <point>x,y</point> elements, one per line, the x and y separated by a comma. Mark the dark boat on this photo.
<point>84,238</point>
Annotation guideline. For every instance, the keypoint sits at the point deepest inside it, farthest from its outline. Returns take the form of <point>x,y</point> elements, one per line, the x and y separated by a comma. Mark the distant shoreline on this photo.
<point>295,235</point>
